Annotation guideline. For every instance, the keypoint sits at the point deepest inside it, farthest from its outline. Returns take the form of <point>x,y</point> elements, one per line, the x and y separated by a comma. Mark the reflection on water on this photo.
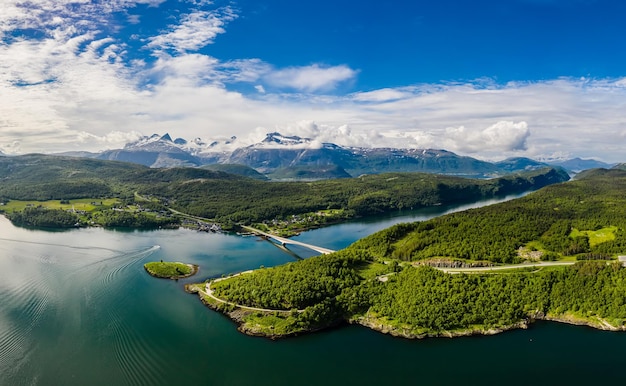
<point>77,306</point>
<point>52,293</point>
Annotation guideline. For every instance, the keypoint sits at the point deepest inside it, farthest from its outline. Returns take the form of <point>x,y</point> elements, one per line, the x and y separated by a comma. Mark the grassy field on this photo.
<point>374,269</point>
<point>83,204</point>
<point>598,236</point>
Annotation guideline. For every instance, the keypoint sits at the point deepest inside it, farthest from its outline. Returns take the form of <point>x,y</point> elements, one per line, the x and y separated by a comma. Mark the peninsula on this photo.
<point>386,281</point>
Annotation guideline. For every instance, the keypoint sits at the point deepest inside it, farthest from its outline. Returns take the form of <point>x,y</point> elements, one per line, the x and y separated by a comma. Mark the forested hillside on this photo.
<point>372,283</point>
<point>426,300</point>
<point>546,219</point>
<point>229,199</point>
<point>252,201</point>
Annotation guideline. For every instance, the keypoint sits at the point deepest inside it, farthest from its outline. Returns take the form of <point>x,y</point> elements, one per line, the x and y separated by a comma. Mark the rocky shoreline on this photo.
<point>599,324</point>
<point>237,315</point>
<point>376,325</point>
<point>407,333</point>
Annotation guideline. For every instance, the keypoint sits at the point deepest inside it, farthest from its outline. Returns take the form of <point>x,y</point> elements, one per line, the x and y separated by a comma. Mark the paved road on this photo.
<point>209,292</point>
<point>503,267</point>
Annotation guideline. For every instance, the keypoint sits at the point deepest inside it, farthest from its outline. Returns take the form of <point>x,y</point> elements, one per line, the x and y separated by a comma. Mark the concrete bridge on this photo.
<point>284,241</point>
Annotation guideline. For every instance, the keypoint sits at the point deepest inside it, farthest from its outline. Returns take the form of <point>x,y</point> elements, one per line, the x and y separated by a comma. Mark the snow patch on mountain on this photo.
<point>199,146</point>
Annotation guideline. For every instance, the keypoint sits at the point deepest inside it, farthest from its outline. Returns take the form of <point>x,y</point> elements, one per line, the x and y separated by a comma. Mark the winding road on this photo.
<point>209,292</point>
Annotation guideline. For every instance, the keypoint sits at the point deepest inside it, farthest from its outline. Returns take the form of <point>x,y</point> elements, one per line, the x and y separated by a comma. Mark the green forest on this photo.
<point>50,214</point>
<point>250,201</point>
<point>295,285</point>
<point>43,218</point>
<point>425,299</point>
<point>380,280</point>
<point>230,199</point>
<point>543,220</point>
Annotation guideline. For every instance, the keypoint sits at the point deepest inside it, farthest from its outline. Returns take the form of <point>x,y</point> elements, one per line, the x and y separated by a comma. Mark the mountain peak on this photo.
<point>277,151</point>
<point>157,143</point>
<point>277,138</point>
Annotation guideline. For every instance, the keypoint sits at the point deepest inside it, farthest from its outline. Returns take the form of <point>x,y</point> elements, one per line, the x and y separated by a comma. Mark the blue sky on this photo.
<point>396,43</point>
<point>489,79</point>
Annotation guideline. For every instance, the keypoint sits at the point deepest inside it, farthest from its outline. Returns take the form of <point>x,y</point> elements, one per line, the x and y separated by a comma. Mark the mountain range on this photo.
<point>293,157</point>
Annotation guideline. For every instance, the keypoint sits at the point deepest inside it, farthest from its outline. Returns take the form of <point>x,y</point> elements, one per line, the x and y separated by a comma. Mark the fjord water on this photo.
<point>77,308</point>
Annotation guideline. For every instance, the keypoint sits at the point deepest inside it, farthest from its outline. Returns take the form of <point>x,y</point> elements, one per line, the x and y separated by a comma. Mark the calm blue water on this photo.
<point>77,308</point>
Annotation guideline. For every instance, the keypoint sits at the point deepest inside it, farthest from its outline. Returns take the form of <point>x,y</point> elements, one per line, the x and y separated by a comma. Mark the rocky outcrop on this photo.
<point>595,322</point>
<point>407,332</point>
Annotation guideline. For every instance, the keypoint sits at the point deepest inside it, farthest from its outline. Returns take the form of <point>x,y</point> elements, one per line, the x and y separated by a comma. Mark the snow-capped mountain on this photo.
<point>156,142</point>
<point>165,142</point>
<point>278,140</point>
<point>282,155</point>
<point>154,151</point>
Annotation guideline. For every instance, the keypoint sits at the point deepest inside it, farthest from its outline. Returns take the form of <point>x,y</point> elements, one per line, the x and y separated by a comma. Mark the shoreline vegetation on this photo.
<point>550,255</point>
<point>272,323</point>
<point>170,270</point>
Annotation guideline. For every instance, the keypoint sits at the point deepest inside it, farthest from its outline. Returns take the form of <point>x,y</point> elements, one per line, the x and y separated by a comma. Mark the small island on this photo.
<point>170,270</point>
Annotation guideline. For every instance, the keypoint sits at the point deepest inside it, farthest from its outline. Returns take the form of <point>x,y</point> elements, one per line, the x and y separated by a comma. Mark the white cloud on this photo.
<point>111,140</point>
<point>200,2</point>
<point>194,68</point>
<point>310,78</point>
<point>195,31</point>
<point>244,70</point>
<point>42,14</point>
<point>324,133</point>
<point>503,136</point>
<point>134,19</point>
<point>11,148</point>
<point>382,95</point>
<point>314,78</point>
